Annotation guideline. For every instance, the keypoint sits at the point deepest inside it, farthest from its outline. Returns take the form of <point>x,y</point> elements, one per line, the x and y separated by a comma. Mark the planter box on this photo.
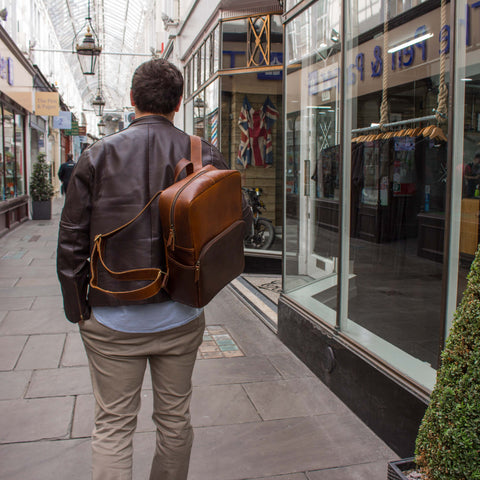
<point>396,468</point>
<point>42,210</point>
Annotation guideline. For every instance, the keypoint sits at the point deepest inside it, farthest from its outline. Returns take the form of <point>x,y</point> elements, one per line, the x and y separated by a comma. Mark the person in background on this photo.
<point>65,172</point>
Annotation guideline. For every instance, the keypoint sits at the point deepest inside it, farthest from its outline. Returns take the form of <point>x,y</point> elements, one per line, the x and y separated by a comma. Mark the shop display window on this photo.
<point>2,162</point>
<point>12,155</point>
<point>251,142</point>
<point>9,150</point>
<point>19,156</point>
<point>393,194</point>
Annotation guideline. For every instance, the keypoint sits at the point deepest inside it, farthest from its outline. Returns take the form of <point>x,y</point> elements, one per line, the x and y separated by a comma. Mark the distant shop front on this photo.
<point>16,90</point>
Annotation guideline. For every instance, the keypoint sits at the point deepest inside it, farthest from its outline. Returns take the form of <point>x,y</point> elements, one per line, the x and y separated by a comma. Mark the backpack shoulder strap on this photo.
<point>196,152</point>
<point>156,276</point>
<point>195,162</point>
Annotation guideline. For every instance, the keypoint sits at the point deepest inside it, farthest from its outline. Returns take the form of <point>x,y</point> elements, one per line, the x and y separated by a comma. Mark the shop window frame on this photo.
<point>454,165</point>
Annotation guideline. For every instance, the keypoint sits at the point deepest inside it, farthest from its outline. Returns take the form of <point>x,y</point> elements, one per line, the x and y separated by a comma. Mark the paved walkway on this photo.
<point>258,412</point>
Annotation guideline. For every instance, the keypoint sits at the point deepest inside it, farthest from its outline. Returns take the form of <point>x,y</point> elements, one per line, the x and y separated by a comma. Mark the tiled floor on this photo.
<point>257,411</point>
<point>218,343</point>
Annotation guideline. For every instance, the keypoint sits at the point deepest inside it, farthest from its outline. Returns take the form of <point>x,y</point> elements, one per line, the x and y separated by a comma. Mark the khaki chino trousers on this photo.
<point>117,364</point>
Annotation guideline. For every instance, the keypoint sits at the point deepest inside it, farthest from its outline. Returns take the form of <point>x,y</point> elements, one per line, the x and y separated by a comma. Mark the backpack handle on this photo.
<point>195,162</point>
<point>158,278</point>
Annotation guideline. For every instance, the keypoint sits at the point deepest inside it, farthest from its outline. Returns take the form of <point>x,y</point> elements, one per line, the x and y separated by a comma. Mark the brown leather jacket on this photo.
<point>112,181</point>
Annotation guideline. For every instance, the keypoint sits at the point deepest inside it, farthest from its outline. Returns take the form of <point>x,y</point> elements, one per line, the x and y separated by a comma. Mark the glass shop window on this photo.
<point>19,156</point>
<point>251,142</point>
<point>313,163</point>
<point>252,42</point>
<point>211,113</point>
<point>2,161</point>
<point>216,49</point>
<point>397,186</point>
<point>9,149</point>
<point>397,198</point>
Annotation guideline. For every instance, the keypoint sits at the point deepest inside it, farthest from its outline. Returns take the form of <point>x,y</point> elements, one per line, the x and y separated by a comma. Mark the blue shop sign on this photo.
<point>276,58</point>
<point>321,80</point>
<point>6,69</point>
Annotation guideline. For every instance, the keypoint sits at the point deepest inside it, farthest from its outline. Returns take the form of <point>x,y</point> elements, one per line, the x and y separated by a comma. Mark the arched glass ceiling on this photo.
<point>119,25</point>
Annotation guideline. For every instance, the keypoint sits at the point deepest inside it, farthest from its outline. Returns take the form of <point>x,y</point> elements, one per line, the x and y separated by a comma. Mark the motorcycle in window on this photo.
<point>263,233</point>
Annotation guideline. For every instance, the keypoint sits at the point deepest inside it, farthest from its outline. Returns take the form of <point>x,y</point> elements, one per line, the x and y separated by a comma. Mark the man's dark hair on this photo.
<point>69,157</point>
<point>157,86</point>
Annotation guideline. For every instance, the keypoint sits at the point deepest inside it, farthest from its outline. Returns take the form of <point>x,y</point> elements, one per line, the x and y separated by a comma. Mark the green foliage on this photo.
<point>41,188</point>
<point>448,442</point>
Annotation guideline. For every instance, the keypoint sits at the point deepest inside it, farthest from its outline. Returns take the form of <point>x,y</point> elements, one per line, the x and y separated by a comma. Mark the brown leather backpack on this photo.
<point>203,229</point>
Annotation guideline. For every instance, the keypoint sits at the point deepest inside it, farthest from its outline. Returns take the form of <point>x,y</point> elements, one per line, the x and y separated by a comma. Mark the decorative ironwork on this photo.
<point>258,41</point>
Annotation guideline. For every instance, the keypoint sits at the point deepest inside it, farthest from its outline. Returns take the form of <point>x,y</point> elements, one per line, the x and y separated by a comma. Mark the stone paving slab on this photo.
<point>25,271</point>
<point>82,425</point>
<point>31,420</point>
<point>8,282</point>
<point>74,353</point>
<point>271,448</point>
<point>221,405</point>
<point>10,350</point>
<point>19,322</point>
<point>14,384</point>
<point>60,382</point>
<point>39,262</point>
<point>233,370</point>
<point>41,351</point>
<point>20,303</point>
<point>51,302</point>
<point>36,282</point>
<point>30,291</point>
<point>301,397</point>
<point>46,460</point>
<point>367,471</point>
<point>290,366</point>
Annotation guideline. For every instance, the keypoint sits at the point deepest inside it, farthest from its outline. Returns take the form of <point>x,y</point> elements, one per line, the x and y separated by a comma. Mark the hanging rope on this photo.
<point>442,99</point>
<point>384,104</point>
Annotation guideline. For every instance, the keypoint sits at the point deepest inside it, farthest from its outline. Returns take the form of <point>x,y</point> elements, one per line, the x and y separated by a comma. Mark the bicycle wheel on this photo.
<point>264,234</point>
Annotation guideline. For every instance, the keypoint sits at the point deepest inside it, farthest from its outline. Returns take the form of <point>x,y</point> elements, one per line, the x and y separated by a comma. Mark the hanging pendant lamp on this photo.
<point>101,128</point>
<point>89,50</point>
<point>98,104</point>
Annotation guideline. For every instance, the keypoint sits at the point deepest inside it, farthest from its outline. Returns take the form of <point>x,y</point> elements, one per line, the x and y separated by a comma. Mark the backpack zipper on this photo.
<point>171,234</point>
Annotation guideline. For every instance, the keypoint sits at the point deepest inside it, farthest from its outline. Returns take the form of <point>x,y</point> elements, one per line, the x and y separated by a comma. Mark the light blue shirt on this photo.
<point>148,318</point>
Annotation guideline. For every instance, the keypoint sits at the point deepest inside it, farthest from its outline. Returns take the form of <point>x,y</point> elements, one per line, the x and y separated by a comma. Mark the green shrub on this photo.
<point>41,188</point>
<point>448,442</point>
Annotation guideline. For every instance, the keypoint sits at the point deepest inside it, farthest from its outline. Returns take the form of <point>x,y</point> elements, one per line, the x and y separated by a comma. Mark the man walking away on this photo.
<point>65,172</point>
<point>111,183</point>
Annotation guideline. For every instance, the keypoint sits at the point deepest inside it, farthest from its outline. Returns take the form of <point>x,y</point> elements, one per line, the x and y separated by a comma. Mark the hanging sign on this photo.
<point>47,103</point>
<point>63,121</point>
<point>73,131</point>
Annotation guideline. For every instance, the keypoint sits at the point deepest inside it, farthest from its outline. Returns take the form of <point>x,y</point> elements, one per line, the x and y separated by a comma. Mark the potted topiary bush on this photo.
<point>41,189</point>
<point>448,441</point>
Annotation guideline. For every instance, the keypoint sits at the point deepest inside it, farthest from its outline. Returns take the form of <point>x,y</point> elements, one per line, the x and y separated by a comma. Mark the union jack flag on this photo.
<point>244,156</point>
<point>269,117</point>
